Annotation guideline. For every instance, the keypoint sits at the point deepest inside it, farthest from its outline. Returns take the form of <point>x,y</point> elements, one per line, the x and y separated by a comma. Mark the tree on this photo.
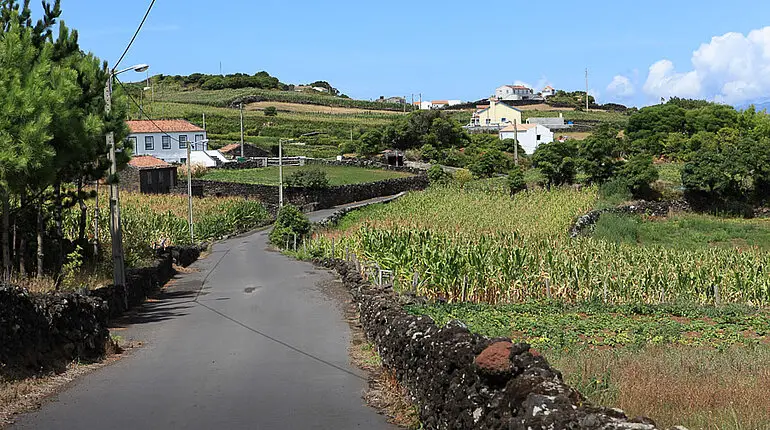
<point>371,143</point>
<point>516,181</point>
<point>638,173</point>
<point>489,163</point>
<point>271,111</point>
<point>557,161</point>
<point>26,110</point>
<point>599,154</point>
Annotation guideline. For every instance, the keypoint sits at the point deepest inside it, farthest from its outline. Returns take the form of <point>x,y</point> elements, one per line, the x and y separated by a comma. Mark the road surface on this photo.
<point>249,341</point>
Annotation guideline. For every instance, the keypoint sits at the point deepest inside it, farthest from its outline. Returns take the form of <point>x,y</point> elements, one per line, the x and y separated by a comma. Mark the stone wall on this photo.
<point>460,380</point>
<point>368,164</point>
<point>50,330</point>
<point>304,197</point>
<point>655,209</point>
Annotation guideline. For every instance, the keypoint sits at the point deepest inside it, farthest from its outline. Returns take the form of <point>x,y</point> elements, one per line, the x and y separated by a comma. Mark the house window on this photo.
<point>166,142</point>
<point>183,160</point>
<point>132,144</point>
<point>489,121</point>
<point>538,137</point>
<point>182,141</point>
<point>199,138</point>
<point>149,143</point>
<point>502,120</point>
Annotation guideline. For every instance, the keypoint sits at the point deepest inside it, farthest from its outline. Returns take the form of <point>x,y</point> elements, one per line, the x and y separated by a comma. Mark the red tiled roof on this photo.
<point>147,162</point>
<point>519,127</point>
<point>440,102</point>
<point>159,126</point>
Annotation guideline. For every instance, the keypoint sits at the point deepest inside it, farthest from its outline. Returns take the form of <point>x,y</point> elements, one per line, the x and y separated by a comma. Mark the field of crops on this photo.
<point>223,98</point>
<point>153,220</point>
<point>221,120</point>
<point>486,247</point>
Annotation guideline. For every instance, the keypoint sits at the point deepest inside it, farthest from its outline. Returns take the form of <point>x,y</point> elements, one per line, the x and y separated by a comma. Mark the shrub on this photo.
<point>198,171</point>
<point>614,192</point>
<point>463,176</point>
<point>291,223</point>
<point>557,161</point>
<point>516,182</point>
<point>437,175</point>
<point>271,111</point>
<point>314,179</point>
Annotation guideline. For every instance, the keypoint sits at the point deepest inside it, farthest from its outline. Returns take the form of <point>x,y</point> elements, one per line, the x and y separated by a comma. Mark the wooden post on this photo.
<point>717,299</point>
<point>295,242</point>
<point>548,288</point>
<point>465,285</point>
<point>333,249</point>
<point>415,282</point>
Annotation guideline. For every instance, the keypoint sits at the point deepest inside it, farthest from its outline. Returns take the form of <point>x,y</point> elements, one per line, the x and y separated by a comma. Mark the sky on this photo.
<point>636,52</point>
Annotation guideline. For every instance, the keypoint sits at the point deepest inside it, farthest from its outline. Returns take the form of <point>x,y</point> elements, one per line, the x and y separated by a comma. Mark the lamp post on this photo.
<point>116,235</point>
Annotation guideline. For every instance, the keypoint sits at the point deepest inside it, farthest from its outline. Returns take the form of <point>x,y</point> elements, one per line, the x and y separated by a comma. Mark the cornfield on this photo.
<point>486,247</point>
<point>150,221</point>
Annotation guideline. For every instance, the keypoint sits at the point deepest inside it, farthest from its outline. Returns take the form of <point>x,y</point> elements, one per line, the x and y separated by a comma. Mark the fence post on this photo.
<point>347,253</point>
<point>415,282</point>
<point>465,285</point>
<point>548,288</point>
<point>333,253</point>
<point>295,242</point>
<point>605,291</point>
<point>662,295</point>
<point>717,299</point>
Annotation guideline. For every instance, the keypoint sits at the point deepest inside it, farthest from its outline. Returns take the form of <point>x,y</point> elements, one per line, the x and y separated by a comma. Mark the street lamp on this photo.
<point>116,235</point>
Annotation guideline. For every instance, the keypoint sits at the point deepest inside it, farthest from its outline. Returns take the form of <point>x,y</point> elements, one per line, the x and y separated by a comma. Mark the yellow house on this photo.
<point>496,115</point>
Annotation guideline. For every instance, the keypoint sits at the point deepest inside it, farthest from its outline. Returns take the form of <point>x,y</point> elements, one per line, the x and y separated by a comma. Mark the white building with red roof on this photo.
<point>166,139</point>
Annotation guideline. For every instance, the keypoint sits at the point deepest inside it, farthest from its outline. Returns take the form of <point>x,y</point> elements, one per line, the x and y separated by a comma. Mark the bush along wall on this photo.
<point>653,209</point>
<point>48,331</point>
<point>460,380</point>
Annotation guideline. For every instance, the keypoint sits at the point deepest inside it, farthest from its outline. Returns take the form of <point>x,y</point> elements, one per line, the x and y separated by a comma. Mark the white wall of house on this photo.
<point>169,149</point>
<point>529,139</point>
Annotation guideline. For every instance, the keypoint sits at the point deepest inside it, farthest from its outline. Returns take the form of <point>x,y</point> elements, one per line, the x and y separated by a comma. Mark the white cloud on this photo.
<point>732,68</point>
<point>621,88</point>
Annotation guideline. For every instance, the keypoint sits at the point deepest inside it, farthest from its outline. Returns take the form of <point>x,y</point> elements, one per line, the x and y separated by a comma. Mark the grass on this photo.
<point>686,231</point>
<point>646,360</point>
<point>337,175</point>
<point>671,174</point>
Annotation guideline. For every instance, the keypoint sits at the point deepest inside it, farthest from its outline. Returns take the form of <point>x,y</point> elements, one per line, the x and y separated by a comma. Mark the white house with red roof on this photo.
<point>166,139</point>
<point>530,135</point>
<point>548,91</point>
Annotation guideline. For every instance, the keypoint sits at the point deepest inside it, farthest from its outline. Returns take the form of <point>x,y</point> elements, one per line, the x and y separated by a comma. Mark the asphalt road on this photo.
<point>249,341</point>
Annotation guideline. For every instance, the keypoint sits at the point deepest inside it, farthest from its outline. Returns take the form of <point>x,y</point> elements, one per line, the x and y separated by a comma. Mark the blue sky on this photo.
<point>450,49</point>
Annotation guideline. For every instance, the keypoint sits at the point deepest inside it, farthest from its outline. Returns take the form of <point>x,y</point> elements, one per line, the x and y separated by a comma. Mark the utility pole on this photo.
<point>118,268</point>
<point>515,143</point>
<point>280,174</point>
<point>204,121</point>
<point>587,90</point>
<point>189,195</point>
<point>242,156</point>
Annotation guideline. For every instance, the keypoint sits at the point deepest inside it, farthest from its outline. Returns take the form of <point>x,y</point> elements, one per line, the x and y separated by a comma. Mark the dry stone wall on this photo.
<point>460,380</point>
<point>47,331</point>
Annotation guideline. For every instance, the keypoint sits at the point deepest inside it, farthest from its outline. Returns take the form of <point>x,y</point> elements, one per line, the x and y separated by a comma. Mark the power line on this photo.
<point>141,24</point>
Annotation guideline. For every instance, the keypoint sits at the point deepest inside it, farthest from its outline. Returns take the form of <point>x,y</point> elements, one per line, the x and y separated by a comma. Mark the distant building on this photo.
<point>497,114</point>
<point>530,136</point>
<point>249,151</point>
<point>553,123</point>
<point>148,175</point>
<point>515,93</point>
<point>166,139</point>
<point>394,100</point>
<point>437,104</point>
<point>548,92</point>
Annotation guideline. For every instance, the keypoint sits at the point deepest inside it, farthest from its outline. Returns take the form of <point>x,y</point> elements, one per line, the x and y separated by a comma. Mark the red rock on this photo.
<point>496,358</point>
